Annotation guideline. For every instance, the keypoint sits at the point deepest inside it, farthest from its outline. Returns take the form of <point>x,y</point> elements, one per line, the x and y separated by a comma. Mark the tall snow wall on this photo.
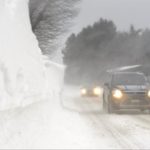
<point>22,70</point>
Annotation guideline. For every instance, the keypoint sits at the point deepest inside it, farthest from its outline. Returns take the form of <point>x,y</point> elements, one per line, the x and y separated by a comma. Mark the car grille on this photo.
<point>135,95</point>
<point>136,98</point>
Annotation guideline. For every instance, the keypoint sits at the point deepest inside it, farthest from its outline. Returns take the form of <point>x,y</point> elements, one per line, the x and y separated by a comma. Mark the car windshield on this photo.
<point>128,79</point>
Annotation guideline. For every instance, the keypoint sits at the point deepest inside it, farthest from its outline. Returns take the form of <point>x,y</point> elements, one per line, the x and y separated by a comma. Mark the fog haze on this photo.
<point>122,12</point>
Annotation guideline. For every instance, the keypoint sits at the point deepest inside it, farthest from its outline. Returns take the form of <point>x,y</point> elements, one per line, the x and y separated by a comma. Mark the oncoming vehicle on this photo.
<point>126,90</point>
<point>90,91</point>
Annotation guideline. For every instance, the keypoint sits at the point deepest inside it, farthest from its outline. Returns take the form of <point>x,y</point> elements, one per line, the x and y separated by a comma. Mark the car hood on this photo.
<point>133,88</point>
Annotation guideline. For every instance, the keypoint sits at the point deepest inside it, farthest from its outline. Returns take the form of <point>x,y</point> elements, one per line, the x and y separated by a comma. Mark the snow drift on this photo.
<point>22,67</point>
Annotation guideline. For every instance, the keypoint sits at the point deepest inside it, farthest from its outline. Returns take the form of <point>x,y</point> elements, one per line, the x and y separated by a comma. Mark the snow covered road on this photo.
<point>73,122</point>
<point>129,130</point>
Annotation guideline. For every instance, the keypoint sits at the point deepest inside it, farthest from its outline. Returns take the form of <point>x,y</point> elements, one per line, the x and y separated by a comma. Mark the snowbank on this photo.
<point>23,75</point>
<point>54,77</point>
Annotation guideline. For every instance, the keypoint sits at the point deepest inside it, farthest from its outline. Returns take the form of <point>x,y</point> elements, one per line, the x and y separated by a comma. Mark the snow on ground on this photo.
<point>46,125</point>
<point>43,125</point>
<point>129,130</point>
<point>72,122</point>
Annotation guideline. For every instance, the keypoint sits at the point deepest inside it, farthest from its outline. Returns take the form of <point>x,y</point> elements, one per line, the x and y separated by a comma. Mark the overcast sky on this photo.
<point>122,12</point>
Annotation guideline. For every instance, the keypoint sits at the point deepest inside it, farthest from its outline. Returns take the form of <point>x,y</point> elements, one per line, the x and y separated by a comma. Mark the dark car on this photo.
<point>126,90</point>
<point>90,91</point>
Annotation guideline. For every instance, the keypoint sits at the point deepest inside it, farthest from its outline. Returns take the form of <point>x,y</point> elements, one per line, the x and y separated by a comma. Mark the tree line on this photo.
<point>99,47</point>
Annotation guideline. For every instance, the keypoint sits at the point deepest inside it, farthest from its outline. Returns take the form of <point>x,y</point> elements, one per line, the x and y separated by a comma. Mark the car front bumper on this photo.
<point>134,106</point>
<point>133,101</point>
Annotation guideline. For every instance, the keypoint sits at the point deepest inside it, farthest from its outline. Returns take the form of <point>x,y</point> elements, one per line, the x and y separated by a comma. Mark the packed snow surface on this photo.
<point>73,122</point>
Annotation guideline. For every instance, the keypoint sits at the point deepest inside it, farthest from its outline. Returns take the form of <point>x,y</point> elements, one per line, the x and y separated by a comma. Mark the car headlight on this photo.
<point>117,94</point>
<point>97,91</point>
<point>148,94</point>
<point>83,91</point>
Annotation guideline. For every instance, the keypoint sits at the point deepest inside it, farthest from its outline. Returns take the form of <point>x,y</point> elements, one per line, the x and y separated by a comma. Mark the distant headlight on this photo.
<point>117,94</point>
<point>97,91</point>
<point>83,91</point>
<point>148,94</point>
